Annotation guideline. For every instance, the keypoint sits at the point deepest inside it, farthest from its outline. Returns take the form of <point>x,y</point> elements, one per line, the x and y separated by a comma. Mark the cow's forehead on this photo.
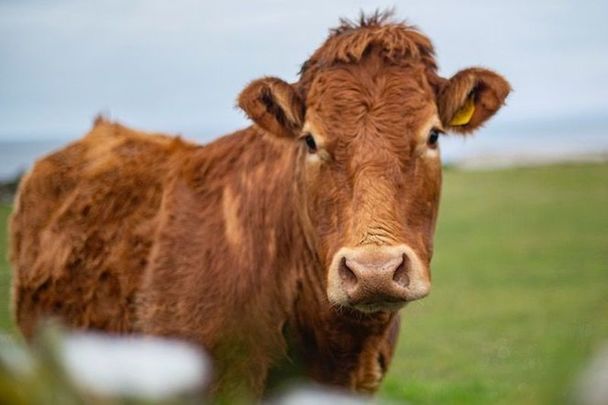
<point>389,102</point>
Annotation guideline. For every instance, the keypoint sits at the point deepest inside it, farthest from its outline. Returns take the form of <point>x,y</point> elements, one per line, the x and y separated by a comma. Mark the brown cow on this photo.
<point>293,242</point>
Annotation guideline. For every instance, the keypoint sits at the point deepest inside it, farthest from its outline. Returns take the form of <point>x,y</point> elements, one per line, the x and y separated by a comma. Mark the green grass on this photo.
<point>5,274</point>
<point>520,289</point>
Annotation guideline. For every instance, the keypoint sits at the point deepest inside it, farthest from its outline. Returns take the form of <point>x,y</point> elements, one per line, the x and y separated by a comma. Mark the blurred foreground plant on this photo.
<point>62,368</point>
<point>93,368</point>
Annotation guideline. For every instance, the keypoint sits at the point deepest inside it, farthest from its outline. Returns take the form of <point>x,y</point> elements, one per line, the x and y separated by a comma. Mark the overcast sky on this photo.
<point>178,65</point>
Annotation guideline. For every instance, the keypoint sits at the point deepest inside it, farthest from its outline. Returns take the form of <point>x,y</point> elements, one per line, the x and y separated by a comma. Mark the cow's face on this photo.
<point>369,166</point>
<point>372,179</point>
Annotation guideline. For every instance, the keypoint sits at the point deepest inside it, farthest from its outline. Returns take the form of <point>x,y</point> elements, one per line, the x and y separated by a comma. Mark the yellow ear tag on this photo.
<point>464,113</point>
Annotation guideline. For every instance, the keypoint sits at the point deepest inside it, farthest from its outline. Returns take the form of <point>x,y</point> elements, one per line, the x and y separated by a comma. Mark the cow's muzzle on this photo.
<point>377,278</point>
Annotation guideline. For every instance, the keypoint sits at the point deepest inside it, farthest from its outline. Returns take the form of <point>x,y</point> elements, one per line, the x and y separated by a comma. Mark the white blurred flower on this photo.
<point>315,395</point>
<point>592,384</point>
<point>142,367</point>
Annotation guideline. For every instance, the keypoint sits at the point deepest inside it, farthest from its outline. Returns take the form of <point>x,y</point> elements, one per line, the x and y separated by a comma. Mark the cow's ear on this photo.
<point>470,98</point>
<point>274,106</point>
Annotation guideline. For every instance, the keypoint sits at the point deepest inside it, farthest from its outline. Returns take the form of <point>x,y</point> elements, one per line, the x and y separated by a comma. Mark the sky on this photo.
<point>178,66</point>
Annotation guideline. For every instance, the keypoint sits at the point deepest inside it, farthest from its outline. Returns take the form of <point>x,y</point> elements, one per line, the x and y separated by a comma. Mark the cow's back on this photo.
<point>83,226</point>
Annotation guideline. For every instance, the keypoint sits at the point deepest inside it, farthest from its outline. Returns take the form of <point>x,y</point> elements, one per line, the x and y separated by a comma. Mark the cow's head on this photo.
<point>366,115</point>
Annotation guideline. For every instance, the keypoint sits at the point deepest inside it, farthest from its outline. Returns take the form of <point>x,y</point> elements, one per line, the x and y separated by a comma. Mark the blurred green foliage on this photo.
<point>520,289</point>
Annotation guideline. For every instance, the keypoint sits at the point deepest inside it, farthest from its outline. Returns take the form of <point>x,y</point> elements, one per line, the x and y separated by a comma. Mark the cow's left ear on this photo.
<point>470,98</point>
<point>274,106</point>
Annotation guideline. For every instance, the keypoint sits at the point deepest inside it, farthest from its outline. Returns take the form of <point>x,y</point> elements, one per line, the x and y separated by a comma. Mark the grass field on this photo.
<point>5,275</point>
<point>520,289</point>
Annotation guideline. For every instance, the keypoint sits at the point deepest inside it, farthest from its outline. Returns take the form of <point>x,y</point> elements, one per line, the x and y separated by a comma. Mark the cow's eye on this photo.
<point>309,140</point>
<point>433,138</point>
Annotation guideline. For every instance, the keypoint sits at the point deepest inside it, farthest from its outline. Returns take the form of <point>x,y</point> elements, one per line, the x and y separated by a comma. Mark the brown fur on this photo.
<point>228,245</point>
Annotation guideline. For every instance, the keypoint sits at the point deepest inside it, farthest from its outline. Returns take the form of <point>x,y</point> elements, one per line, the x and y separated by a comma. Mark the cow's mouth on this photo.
<point>380,306</point>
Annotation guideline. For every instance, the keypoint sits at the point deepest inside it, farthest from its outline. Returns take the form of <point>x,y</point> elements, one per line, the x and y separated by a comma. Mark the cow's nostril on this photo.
<point>400,275</point>
<point>349,279</point>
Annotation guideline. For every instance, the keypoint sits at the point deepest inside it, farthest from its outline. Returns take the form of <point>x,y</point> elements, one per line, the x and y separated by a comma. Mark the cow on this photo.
<point>284,249</point>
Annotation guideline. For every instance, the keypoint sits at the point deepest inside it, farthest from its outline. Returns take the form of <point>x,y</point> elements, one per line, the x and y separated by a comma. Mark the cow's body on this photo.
<point>83,226</point>
<point>288,245</point>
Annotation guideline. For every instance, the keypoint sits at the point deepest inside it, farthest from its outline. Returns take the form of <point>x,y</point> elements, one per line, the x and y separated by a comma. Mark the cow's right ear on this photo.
<point>274,106</point>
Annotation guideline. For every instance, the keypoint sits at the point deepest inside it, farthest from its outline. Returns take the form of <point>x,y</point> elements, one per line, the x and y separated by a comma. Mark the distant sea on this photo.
<point>18,156</point>
<point>488,148</point>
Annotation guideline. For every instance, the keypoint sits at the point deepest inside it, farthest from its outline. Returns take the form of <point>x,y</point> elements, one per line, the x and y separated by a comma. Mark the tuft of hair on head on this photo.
<point>395,40</point>
<point>373,20</point>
